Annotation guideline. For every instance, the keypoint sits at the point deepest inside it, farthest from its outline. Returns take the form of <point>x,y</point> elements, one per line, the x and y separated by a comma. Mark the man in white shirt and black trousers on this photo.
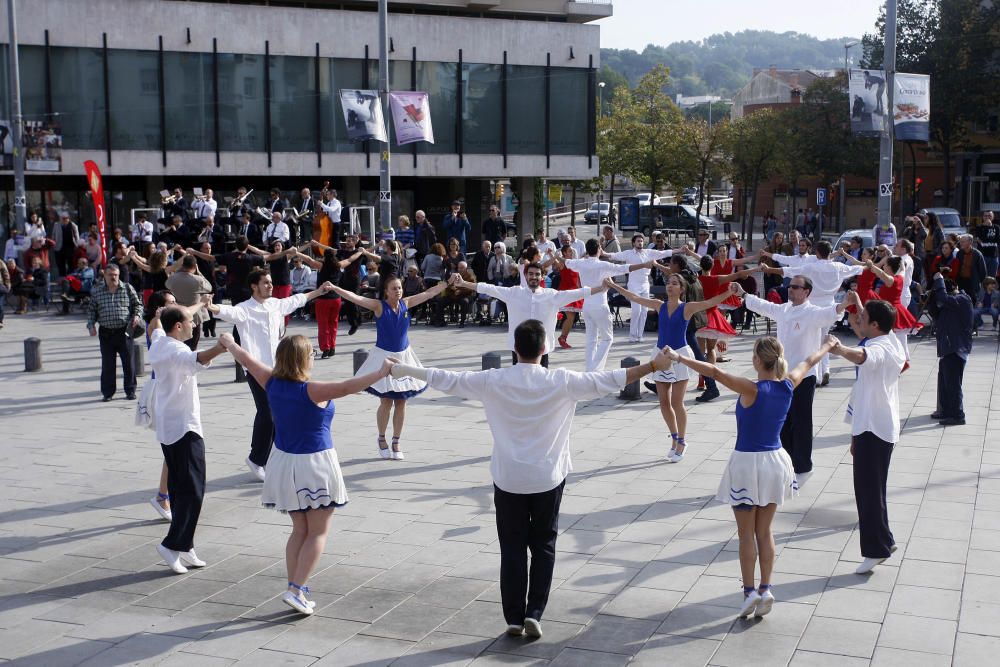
<point>177,419</point>
<point>874,425</point>
<point>260,323</point>
<point>531,457</point>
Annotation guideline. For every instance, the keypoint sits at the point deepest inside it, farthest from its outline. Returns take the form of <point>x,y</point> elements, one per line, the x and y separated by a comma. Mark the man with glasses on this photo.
<point>494,228</point>
<point>802,327</point>
<point>705,245</point>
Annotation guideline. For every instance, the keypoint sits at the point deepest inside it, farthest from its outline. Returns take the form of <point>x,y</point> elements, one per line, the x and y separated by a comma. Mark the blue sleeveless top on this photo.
<point>300,426</point>
<point>758,428</point>
<point>672,329</point>
<point>391,328</point>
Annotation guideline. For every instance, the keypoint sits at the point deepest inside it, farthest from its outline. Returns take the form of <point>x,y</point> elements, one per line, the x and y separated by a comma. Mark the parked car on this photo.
<point>673,217</point>
<point>644,199</point>
<point>597,213</point>
<point>867,239</point>
<point>950,219</point>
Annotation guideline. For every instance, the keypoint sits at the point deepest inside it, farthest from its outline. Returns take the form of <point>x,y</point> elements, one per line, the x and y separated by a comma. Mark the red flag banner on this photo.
<point>97,193</point>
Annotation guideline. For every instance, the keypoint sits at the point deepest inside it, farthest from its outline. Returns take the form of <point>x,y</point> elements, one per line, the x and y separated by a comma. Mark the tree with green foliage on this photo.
<point>750,145</point>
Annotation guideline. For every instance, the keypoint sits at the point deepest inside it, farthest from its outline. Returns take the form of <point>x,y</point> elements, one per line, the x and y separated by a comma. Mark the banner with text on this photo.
<point>411,117</point>
<point>868,100</point>
<point>97,194</point>
<point>911,103</point>
<point>363,115</point>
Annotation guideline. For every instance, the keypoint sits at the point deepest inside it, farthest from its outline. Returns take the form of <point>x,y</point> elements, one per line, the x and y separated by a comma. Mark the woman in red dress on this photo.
<point>890,272</point>
<point>568,279</point>
<point>866,281</point>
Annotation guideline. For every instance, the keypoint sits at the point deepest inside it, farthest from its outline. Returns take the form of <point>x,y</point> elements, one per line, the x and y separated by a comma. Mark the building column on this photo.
<point>526,208</point>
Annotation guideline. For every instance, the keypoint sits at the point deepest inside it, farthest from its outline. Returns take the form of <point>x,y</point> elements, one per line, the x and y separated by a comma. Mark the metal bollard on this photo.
<point>360,357</point>
<point>491,360</point>
<point>631,391</point>
<point>241,375</point>
<point>139,358</point>
<point>32,355</point>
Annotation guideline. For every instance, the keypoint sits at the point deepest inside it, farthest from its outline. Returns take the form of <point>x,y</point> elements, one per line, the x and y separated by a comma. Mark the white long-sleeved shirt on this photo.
<point>204,208</point>
<point>178,406</point>
<point>638,281</point>
<point>875,396</point>
<point>592,272</point>
<point>333,209</point>
<point>300,278</point>
<point>260,324</point>
<point>543,305</point>
<point>530,446</point>
<point>800,328</point>
<point>142,232</point>
<point>826,276</point>
<point>277,231</point>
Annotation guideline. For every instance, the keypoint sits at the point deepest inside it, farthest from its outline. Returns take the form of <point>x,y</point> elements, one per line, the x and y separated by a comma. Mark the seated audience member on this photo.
<point>989,304</point>
<point>15,246</point>
<point>372,283</point>
<point>300,276</point>
<point>77,285</point>
<point>459,297</point>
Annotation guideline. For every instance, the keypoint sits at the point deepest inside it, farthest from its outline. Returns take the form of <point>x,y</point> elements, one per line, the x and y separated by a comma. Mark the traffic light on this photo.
<point>917,184</point>
<point>499,191</point>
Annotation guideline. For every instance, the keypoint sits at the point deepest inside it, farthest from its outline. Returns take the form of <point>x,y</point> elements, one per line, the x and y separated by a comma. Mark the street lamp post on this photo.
<point>20,201</point>
<point>600,98</point>
<point>841,218</point>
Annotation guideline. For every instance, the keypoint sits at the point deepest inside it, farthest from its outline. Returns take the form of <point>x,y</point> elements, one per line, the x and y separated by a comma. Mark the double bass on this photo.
<point>323,229</point>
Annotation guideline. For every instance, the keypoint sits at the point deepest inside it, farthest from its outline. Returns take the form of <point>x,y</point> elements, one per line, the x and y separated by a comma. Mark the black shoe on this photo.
<point>106,399</point>
<point>332,351</point>
<point>937,415</point>
<point>352,330</point>
<point>130,397</point>
<point>707,396</point>
<point>325,354</point>
<point>953,421</point>
<point>650,386</point>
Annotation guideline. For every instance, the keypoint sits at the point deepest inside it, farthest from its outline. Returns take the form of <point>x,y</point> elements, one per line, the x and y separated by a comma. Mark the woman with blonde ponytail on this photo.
<point>759,475</point>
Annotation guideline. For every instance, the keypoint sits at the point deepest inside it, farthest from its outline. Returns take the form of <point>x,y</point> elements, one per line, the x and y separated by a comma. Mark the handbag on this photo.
<point>145,406</point>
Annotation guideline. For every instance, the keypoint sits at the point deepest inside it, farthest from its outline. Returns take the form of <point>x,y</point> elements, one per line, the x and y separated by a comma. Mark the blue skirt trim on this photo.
<point>397,395</point>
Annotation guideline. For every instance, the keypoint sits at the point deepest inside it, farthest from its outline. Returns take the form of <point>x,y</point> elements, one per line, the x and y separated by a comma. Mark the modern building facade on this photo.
<point>164,94</point>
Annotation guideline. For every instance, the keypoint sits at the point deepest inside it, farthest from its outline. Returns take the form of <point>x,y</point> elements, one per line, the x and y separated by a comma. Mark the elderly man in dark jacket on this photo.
<point>971,267</point>
<point>953,313</point>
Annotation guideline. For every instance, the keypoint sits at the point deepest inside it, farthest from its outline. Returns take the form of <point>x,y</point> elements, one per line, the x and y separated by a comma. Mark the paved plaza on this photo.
<point>646,572</point>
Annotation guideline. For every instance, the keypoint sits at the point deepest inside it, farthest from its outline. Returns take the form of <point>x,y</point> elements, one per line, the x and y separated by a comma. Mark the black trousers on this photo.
<point>797,432</point>
<point>951,369</point>
<point>263,425</point>
<point>692,342</point>
<point>64,259</point>
<point>544,361</point>
<point>114,342</point>
<point>526,522</point>
<point>349,310</point>
<point>186,485</point>
<point>871,471</point>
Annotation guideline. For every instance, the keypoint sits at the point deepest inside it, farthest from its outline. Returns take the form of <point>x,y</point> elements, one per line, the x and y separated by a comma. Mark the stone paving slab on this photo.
<point>647,570</point>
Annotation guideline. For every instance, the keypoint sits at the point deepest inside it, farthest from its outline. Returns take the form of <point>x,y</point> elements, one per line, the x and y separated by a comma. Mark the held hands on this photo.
<point>226,340</point>
<point>326,287</point>
<point>664,359</point>
<point>387,366</point>
<point>831,342</point>
<point>736,289</point>
<point>610,284</point>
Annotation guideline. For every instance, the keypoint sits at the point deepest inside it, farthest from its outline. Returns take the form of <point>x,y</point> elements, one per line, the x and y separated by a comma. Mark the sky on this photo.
<point>636,23</point>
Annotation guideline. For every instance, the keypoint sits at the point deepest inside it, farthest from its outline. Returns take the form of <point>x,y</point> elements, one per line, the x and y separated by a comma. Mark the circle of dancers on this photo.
<point>292,444</point>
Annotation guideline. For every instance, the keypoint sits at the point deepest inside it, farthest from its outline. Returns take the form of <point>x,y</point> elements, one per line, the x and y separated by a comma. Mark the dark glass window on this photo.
<point>481,117</point>
<point>241,102</point>
<point>77,95</point>
<point>187,84</point>
<point>293,104</point>
<point>568,113</point>
<point>334,75</point>
<point>135,99</point>
<point>439,82</point>
<point>526,110</point>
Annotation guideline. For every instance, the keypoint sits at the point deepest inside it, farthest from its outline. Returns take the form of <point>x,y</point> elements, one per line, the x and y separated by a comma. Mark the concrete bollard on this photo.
<point>32,355</point>
<point>360,357</point>
<point>241,375</point>
<point>491,360</point>
<point>631,392</point>
<point>139,358</point>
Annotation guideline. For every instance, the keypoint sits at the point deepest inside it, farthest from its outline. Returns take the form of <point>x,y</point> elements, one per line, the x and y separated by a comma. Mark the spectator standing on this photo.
<point>188,287</point>
<point>40,248</point>
<point>433,265</point>
<point>66,238</point>
<point>426,237</point>
<point>609,242</point>
<point>988,238</point>
<point>915,233</point>
<point>141,233</point>
<point>945,261</point>
<point>456,224</point>
<point>406,236</point>
<point>494,228</point>
<point>16,245</point>
<point>954,344</point>
<point>35,227</point>
<point>971,267</point>
<point>874,416</point>
<point>638,281</point>
<point>115,308</point>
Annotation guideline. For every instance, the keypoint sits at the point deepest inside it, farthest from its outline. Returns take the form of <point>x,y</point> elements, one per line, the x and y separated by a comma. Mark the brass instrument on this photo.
<point>298,216</point>
<point>170,199</point>
<point>239,199</point>
<point>264,212</point>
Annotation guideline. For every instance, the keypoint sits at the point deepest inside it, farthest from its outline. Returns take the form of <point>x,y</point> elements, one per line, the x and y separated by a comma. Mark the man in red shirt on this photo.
<point>39,248</point>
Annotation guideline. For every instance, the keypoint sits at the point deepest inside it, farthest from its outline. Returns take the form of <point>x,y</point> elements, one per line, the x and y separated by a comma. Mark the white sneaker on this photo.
<point>190,558</point>
<point>868,564</point>
<point>255,470</point>
<point>802,477</point>
<point>164,513</point>
<point>533,628</point>
<point>750,603</point>
<point>397,456</point>
<point>515,630</point>
<point>171,558</point>
<point>765,604</point>
<point>298,604</point>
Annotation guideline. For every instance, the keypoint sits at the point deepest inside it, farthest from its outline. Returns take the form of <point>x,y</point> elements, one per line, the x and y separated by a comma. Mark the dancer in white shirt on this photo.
<point>827,277</point>
<point>638,281</point>
<point>531,457</point>
<point>531,302</point>
<point>802,327</point>
<point>178,428</point>
<point>260,323</point>
<point>596,314</point>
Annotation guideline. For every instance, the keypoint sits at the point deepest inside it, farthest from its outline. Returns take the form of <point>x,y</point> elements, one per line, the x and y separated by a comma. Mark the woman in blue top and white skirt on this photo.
<point>392,324</point>
<point>759,475</point>
<point>303,474</point>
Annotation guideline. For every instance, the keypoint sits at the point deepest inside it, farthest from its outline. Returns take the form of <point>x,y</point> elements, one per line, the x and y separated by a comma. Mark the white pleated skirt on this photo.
<point>295,482</point>
<point>677,372</point>
<point>758,478</point>
<point>390,387</point>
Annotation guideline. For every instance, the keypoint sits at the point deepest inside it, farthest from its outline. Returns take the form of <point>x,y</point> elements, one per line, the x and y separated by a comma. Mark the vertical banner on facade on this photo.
<point>868,99</point>
<point>97,194</point>
<point>363,115</point>
<point>911,103</point>
<point>6,146</point>
<point>42,145</point>
<point>411,117</point>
